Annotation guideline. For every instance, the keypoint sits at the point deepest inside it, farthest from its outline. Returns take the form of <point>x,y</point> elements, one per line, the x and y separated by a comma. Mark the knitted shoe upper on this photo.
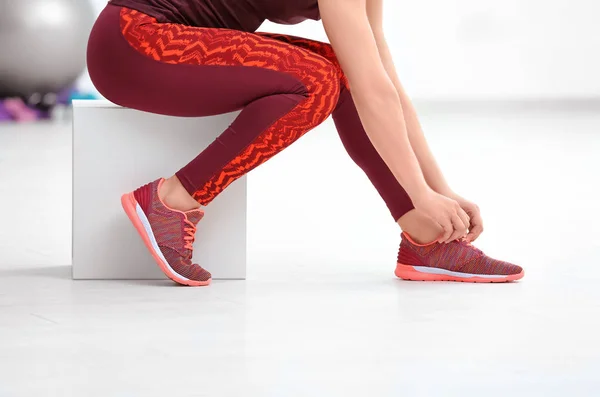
<point>456,256</point>
<point>173,230</point>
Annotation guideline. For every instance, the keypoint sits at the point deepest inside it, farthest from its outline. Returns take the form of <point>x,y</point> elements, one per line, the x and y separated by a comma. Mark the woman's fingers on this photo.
<point>465,219</point>
<point>476,227</point>
<point>448,230</point>
<point>459,228</point>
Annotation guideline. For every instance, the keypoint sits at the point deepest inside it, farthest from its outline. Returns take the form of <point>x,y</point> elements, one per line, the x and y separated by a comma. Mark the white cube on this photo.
<point>116,150</point>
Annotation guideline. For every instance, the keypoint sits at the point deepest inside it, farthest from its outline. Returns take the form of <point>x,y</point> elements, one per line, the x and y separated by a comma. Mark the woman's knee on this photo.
<point>326,91</point>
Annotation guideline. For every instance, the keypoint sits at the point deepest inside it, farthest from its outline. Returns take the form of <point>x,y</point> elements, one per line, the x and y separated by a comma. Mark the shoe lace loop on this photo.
<point>464,242</point>
<point>191,235</point>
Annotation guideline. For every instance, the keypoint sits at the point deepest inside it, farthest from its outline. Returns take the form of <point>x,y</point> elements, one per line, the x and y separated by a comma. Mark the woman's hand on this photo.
<point>446,212</point>
<point>476,222</point>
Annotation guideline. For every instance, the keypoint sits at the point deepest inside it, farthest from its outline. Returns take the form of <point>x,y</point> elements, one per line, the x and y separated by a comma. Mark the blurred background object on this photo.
<point>463,50</point>
<point>43,44</point>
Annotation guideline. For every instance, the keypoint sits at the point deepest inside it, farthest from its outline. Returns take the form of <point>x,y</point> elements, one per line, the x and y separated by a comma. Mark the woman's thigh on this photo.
<point>186,71</point>
<point>177,70</point>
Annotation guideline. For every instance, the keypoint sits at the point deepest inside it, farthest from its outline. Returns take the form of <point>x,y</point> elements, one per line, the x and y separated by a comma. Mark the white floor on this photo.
<point>321,313</point>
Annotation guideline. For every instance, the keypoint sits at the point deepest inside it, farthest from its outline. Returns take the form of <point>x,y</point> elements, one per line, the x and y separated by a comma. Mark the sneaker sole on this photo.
<point>422,273</point>
<point>141,224</point>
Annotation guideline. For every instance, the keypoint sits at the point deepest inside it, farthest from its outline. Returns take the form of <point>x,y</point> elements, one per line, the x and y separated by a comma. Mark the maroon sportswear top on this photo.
<point>245,15</point>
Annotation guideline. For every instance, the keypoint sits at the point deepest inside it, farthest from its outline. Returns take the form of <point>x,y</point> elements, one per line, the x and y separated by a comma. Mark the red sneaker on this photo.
<point>169,234</point>
<point>455,261</point>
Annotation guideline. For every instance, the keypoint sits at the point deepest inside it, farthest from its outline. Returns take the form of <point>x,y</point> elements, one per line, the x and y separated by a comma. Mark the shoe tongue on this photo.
<point>194,216</point>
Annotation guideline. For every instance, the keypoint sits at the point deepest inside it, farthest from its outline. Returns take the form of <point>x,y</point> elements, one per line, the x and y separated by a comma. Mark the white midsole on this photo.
<point>435,270</point>
<point>157,251</point>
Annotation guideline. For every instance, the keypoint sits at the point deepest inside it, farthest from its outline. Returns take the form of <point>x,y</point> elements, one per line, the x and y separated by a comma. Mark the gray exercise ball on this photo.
<point>42,44</point>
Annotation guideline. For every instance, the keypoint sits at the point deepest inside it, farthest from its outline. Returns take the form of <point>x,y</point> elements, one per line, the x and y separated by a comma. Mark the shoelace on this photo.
<point>464,242</point>
<point>191,237</point>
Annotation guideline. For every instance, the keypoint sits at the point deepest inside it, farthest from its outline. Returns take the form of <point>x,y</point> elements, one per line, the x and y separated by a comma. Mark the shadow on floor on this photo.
<point>56,272</point>
<point>151,283</point>
<point>64,273</point>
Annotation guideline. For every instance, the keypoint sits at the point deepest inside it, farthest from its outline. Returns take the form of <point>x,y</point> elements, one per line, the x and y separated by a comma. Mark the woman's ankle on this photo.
<point>173,195</point>
<point>419,227</point>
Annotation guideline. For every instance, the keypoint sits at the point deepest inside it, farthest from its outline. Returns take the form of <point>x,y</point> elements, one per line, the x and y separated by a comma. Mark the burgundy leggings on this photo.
<point>285,85</point>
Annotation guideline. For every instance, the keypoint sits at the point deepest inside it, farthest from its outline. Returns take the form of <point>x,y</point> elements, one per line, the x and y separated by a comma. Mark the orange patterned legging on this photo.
<point>284,85</point>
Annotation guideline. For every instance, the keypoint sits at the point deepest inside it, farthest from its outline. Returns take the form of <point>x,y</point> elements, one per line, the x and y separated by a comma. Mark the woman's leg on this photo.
<point>172,69</point>
<point>284,92</point>
<point>360,149</point>
<point>455,261</point>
